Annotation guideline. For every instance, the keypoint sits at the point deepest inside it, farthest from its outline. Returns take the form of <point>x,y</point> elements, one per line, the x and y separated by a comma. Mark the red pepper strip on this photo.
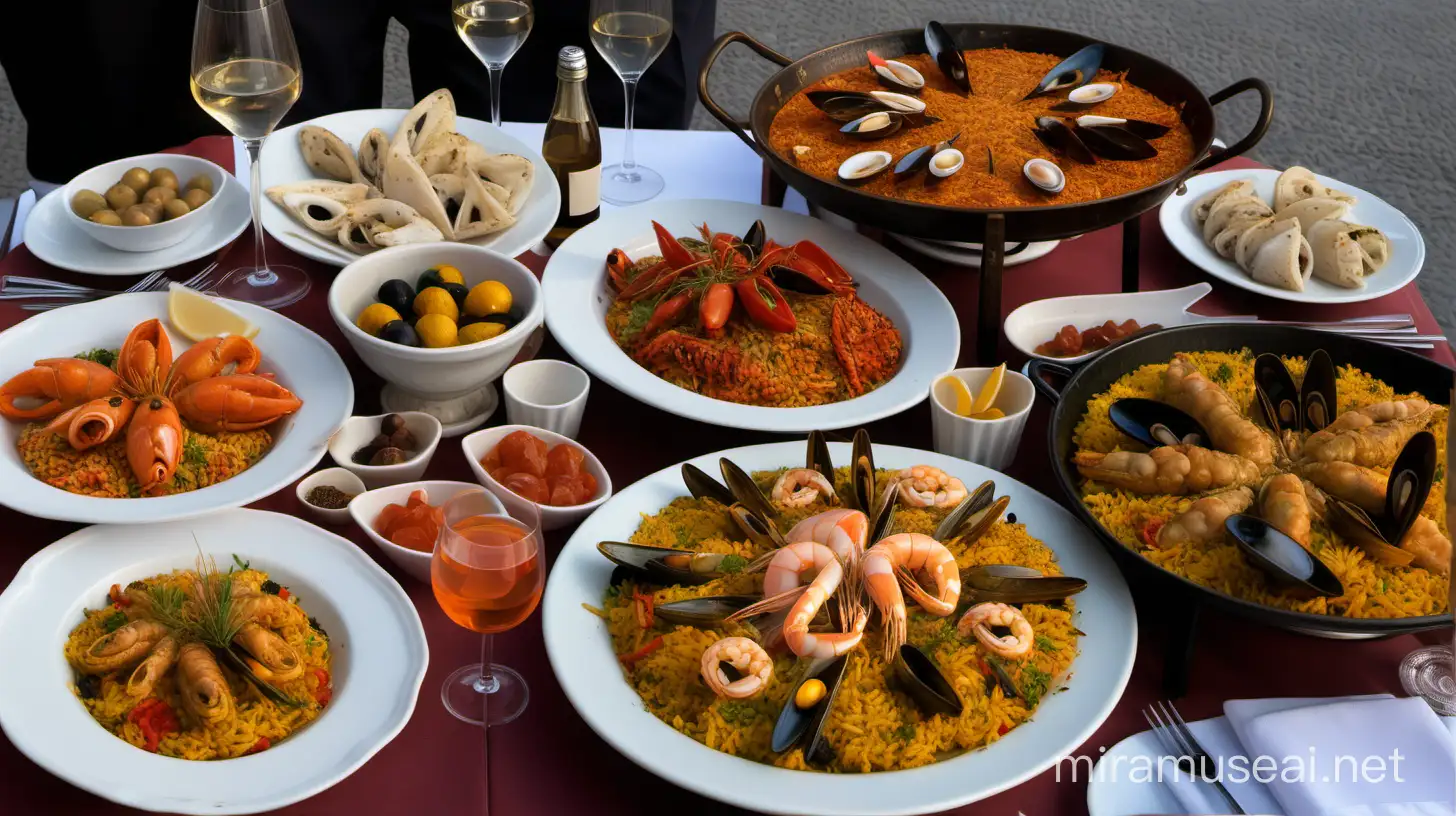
<point>653,645</point>
<point>283,593</point>
<point>1150,532</point>
<point>765,304</point>
<point>155,719</point>
<point>644,609</point>
<point>324,693</point>
<point>258,747</point>
<point>676,255</point>
<point>1001,730</point>
<point>717,305</point>
<point>667,313</point>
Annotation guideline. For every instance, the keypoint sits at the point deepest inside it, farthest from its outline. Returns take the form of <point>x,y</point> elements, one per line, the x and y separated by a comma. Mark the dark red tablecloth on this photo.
<point>549,762</point>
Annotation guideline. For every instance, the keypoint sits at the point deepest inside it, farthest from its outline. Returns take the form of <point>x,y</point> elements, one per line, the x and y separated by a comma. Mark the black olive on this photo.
<point>88,686</point>
<point>457,291</point>
<point>397,295</point>
<point>398,331</point>
<point>507,319</point>
<point>430,277</point>
<point>390,424</point>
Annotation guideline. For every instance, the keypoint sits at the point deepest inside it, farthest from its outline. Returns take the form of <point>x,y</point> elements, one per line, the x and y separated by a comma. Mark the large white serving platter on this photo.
<point>577,297</point>
<point>1407,248</point>
<point>378,644</point>
<point>303,362</point>
<point>581,655</point>
<point>283,164</point>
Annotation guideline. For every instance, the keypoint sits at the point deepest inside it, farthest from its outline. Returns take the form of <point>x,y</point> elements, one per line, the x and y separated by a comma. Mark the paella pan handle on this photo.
<point>713,53</point>
<point>1040,370</point>
<point>1261,125</point>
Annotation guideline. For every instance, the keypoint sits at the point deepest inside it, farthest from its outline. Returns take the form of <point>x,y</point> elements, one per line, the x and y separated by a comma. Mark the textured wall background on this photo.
<point>1363,91</point>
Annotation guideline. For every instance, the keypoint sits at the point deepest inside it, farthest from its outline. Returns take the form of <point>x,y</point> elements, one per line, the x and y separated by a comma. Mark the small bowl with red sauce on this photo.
<point>395,535</point>
<point>521,463</point>
<point>1070,330</point>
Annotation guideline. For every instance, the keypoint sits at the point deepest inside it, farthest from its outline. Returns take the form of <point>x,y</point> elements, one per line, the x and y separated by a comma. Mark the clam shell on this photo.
<point>946,163</point>
<point>1044,175</point>
<point>862,167</point>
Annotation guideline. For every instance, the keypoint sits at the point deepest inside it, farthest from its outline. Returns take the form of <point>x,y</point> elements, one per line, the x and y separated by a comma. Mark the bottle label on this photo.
<point>583,191</point>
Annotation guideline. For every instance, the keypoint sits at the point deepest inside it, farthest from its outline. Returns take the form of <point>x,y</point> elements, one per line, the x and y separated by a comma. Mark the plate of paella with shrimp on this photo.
<point>108,415</point>
<point>838,627</point>
<point>748,316</point>
<point>232,664</point>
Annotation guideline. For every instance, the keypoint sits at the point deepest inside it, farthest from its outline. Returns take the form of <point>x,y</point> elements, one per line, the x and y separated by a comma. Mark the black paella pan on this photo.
<point>1040,223</point>
<point>1402,370</point>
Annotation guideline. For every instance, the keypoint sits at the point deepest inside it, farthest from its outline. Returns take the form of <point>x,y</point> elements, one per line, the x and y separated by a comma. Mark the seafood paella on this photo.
<point>748,320</point>
<point>986,128</point>
<point>844,619</point>
<point>1201,463</point>
<point>201,664</point>
<point>135,422</point>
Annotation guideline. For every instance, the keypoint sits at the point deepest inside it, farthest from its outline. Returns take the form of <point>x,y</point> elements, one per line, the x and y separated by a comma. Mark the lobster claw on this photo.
<point>62,383</point>
<point>235,402</point>
<point>233,354</point>
<point>154,442</point>
<point>805,267</point>
<point>618,263</point>
<point>145,357</point>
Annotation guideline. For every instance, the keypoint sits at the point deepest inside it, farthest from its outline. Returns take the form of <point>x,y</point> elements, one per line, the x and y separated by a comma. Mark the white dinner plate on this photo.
<point>378,645</point>
<point>581,655</point>
<point>303,362</point>
<point>577,296</point>
<point>968,255</point>
<point>283,164</point>
<point>1407,248</point>
<point>54,239</point>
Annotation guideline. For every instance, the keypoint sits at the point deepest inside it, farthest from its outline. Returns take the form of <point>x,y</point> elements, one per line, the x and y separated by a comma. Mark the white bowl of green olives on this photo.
<point>144,203</point>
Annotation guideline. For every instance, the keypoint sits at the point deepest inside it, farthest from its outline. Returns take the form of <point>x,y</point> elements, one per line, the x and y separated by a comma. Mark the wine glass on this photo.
<point>245,74</point>
<point>494,30</point>
<point>630,34</point>
<point>487,573</point>
<point>1430,672</point>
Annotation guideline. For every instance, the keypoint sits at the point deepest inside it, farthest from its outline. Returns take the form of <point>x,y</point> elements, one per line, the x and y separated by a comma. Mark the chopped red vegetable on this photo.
<point>643,604</point>
<point>283,593</point>
<point>325,692</point>
<point>258,747</point>
<point>1150,531</point>
<point>653,645</point>
<point>1001,730</point>
<point>1068,342</point>
<point>155,719</point>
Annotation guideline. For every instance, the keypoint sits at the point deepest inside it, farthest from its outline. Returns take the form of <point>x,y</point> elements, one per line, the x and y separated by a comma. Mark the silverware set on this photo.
<point>1178,742</point>
<point>55,294</point>
<point>1396,330</point>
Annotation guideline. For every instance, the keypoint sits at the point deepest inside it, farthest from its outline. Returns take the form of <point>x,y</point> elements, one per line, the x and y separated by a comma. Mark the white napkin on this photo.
<point>1218,739</point>
<point>1362,757</point>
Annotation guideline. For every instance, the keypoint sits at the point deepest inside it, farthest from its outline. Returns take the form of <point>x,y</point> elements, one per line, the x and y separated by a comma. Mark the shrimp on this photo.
<point>1284,504</point>
<point>844,531</point>
<point>891,564</point>
<point>1186,389</point>
<point>269,610</point>
<point>1360,486</point>
<point>781,588</point>
<point>799,487</point>
<point>1371,436</point>
<point>926,486</point>
<point>157,663</point>
<point>1176,469</point>
<point>747,658</point>
<point>979,619</point>
<point>1431,549</point>
<point>1203,521</point>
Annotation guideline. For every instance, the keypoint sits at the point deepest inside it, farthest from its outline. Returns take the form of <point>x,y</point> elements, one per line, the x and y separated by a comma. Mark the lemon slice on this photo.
<point>990,413</point>
<point>987,397</point>
<point>953,394</point>
<point>198,317</point>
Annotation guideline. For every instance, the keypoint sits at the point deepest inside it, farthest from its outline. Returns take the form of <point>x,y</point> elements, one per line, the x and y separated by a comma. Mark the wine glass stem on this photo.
<point>629,160</point>
<point>486,684</point>
<point>261,274</point>
<point>495,72</point>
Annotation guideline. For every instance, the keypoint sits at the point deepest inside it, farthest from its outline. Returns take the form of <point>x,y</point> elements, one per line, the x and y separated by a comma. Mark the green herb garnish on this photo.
<point>1224,373</point>
<point>906,732</point>
<point>1034,683</point>
<point>193,454</point>
<point>105,357</point>
<point>114,621</point>
<point>732,563</point>
<point>1440,474</point>
<point>737,713</point>
<point>637,318</point>
<point>241,564</point>
<point>1044,643</point>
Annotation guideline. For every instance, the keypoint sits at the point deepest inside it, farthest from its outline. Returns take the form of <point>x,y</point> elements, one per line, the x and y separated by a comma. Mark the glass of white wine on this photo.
<point>245,74</point>
<point>494,30</point>
<point>630,35</point>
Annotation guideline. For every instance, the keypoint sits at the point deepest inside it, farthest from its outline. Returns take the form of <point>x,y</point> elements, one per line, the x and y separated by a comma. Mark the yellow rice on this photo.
<point>1372,590</point>
<point>103,471</point>
<point>873,726</point>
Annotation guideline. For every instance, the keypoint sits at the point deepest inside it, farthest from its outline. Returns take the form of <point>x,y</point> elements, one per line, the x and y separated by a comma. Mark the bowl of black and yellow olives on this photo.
<point>437,321</point>
<point>144,203</point>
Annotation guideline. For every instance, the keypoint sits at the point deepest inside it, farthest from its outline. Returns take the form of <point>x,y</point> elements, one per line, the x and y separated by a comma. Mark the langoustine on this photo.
<point>1186,388</point>
<point>1174,469</point>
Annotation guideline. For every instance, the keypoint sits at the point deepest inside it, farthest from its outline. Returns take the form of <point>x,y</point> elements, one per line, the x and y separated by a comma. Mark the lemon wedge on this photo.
<point>954,395</point>
<point>987,396</point>
<point>990,413</point>
<point>198,317</point>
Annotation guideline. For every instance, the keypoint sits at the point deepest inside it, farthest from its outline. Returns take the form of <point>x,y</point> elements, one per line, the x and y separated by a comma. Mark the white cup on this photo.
<point>548,394</point>
<point>989,442</point>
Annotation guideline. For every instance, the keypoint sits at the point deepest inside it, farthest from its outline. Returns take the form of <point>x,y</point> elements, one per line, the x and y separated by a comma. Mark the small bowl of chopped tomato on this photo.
<point>557,474</point>
<point>404,520</point>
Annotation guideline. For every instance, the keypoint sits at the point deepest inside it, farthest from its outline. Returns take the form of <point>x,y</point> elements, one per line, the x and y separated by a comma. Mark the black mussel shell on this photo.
<point>1059,136</point>
<point>397,295</point>
<point>703,486</point>
<point>882,521</point>
<point>621,575</point>
<point>1410,483</point>
<point>974,515</point>
<point>1155,423</point>
<point>1354,524</point>
<point>795,281</point>
<point>913,163</point>
<point>998,672</point>
<point>759,529</point>
<point>817,455</point>
<point>877,125</point>
<point>986,584</point>
<point>917,675</point>
<point>798,724</point>
<point>745,490</point>
<point>1283,559</point>
<point>1145,129</point>
<point>1277,393</point>
<point>1317,392</point>
<point>1116,143</point>
<point>947,54</point>
<point>862,472</point>
<point>845,106</point>
<point>990,161</point>
<point>753,241</point>
<point>1072,72</point>
<point>705,612</point>
<point>648,563</point>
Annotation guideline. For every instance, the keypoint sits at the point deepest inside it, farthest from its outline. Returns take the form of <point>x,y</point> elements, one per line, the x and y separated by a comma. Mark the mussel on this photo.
<point>1138,127</point>
<point>745,491</point>
<point>945,163</point>
<point>1005,583</point>
<point>1088,96</point>
<point>1406,490</point>
<point>1289,409</point>
<point>919,159</point>
<point>871,126</point>
<point>1155,423</point>
<point>1059,136</point>
<point>947,54</point>
<point>880,508</point>
<point>847,106</point>
<point>703,486</point>
<point>975,514</point>
<point>817,455</point>
<point>705,612</point>
<point>861,167</point>
<point>1072,72</point>
<point>797,725</point>
<point>753,241</point>
<point>895,74</point>
<point>990,161</point>
<point>1282,558</point>
<point>1116,143</point>
<point>917,674</point>
<point>667,566</point>
<point>1044,175</point>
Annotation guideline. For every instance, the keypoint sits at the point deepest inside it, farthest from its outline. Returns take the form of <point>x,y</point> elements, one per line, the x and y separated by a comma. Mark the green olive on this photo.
<point>120,196</point>
<point>138,179</point>
<point>159,195</point>
<point>202,182</point>
<point>197,197</point>
<point>162,177</point>
<point>107,217</point>
<point>137,215</point>
<point>87,202</point>
<point>152,210</point>
<point>176,208</point>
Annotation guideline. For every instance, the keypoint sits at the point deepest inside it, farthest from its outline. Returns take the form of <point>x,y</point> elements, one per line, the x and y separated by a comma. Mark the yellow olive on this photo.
<point>159,195</point>
<point>153,210</point>
<point>162,177</point>
<point>809,693</point>
<point>374,317</point>
<point>137,215</point>
<point>138,179</point>
<point>107,217</point>
<point>120,196</point>
<point>196,197</point>
<point>436,331</point>
<point>87,202</point>
<point>435,300</point>
<point>202,182</point>
<point>476,332</point>
<point>488,298</point>
<point>176,208</point>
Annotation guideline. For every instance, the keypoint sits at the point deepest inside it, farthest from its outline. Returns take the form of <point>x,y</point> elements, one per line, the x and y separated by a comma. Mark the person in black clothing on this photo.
<point>121,88</point>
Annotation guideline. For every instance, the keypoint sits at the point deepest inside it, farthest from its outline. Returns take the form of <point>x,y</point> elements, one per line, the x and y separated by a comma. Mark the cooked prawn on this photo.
<point>746,657</point>
<point>1188,390</point>
<point>844,531</point>
<point>799,487</point>
<point>892,564</point>
<point>1284,504</point>
<point>1176,469</point>
<point>1431,549</point>
<point>979,619</point>
<point>1363,487</point>
<point>781,588</point>
<point>1371,436</point>
<point>926,486</point>
<point>1203,521</point>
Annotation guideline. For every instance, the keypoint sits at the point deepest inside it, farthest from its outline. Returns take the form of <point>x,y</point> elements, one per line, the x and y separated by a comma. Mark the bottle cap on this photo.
<point>571,63</point>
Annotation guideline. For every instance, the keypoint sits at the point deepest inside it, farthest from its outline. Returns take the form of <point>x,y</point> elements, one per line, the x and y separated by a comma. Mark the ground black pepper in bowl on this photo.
<point>328,497</point>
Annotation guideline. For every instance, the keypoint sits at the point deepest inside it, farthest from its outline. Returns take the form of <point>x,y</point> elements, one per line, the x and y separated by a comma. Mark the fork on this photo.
<point>20,288</point>
<point>1172,732</point>
<point>156,285</point>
